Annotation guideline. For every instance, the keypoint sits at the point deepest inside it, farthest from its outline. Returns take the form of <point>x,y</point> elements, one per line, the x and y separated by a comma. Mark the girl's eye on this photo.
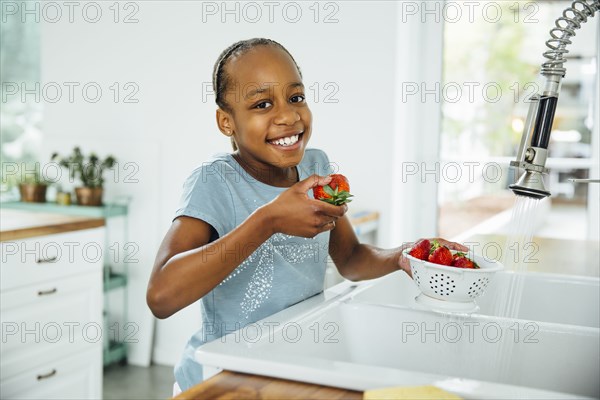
<point>263,104</point>
<point>299,98</point>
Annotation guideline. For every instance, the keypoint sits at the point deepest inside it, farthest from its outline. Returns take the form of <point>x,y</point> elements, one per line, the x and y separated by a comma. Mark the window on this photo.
<point>491,67</point>
<point>20,118</point>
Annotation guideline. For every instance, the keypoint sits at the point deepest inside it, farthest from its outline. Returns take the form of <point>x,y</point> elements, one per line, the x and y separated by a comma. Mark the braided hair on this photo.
<point>222,81</point>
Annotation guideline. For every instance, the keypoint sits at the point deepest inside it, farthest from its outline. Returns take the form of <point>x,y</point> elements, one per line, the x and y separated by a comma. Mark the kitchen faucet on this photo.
<point>533,150</point>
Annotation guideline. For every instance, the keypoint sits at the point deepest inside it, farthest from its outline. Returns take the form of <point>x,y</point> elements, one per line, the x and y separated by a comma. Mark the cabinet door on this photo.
<point>46,321</point>
<point>50,257</point>
<point>76,377</point>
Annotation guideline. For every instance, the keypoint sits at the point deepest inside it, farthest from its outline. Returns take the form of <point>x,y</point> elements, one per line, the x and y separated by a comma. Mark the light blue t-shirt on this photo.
<point>283,271</point>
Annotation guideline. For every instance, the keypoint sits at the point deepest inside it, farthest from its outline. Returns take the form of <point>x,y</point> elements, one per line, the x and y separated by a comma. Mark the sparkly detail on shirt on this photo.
<point>290,248</point>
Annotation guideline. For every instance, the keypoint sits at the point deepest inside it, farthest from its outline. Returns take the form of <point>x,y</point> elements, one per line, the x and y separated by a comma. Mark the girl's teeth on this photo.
<point>287,141</point>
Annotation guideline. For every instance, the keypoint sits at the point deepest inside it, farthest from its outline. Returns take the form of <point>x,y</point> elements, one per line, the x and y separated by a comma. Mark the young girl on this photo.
<point>249,239</point>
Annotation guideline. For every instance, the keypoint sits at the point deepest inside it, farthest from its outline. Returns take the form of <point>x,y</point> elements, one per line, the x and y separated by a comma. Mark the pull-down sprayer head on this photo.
<point>533,150</point>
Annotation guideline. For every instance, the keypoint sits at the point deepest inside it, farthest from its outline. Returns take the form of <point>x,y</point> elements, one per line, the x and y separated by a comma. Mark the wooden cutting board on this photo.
<point>229,385</point>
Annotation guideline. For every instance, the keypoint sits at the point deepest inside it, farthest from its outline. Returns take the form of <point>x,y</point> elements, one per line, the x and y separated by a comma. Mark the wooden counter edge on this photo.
<point>236,385</point>
<point>35,231</point>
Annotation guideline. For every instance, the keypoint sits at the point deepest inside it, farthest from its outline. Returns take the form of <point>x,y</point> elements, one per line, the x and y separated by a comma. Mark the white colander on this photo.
<point>449,288</point>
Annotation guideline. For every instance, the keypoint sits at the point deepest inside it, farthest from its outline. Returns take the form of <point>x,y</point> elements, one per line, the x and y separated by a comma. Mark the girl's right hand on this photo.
<point>296,214</point>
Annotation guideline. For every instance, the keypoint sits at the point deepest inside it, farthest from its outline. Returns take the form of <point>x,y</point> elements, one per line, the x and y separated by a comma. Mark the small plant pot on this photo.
<point>33,192</point>
<point>89,196</point>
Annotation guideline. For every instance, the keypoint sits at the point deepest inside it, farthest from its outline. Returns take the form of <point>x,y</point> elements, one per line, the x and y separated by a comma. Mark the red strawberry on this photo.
<point>441,255</point>
<point>460,260</point>
<point>421,250</point>
<point>337,192</point>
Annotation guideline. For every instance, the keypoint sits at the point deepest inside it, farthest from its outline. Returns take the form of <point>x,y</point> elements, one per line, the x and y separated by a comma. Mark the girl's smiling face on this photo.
<point>268,115</point>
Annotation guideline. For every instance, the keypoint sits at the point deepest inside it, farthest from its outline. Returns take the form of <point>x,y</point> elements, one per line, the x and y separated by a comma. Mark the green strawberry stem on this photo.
<point>329,190</point>
<point>337,198</point>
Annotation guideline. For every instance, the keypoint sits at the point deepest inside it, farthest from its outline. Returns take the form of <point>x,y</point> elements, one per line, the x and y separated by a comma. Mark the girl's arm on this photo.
<point>187,267</point>
<point>356,261</point>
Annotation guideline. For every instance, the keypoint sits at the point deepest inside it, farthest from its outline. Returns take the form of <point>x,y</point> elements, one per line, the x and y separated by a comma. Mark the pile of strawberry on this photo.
<point>438,254</point>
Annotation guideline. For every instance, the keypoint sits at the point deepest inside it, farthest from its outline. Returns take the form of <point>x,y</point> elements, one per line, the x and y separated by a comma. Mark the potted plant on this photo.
<point>33,188</point>
<point>90,171</point>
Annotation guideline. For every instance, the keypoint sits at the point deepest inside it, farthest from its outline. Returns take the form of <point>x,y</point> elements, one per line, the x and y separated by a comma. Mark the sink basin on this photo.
<point>373,335</point>
<point>563,299</point>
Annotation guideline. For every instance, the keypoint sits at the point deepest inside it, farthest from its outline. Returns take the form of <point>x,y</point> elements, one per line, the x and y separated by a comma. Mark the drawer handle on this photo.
<point>46,260</point>
<point>46,292</point>
<point>46,376</point>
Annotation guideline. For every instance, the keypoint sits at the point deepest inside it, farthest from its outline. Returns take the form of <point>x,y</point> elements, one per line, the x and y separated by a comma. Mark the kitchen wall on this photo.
<point>353,64</point>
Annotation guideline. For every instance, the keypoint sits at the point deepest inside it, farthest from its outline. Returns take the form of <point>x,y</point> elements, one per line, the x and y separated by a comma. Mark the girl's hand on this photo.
<point>405,264</point>
<point>294,213</point>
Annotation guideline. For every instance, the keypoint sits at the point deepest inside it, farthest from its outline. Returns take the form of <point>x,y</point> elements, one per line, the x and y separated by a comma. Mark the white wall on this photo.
<point>169,54</point>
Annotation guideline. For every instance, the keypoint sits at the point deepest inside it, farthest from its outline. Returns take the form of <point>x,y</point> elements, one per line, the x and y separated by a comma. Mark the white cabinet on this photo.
<point>51,316</point>
<point>72,376</point>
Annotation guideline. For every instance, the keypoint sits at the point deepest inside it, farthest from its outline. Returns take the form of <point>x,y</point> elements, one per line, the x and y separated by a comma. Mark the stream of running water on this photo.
<point>516,258</point>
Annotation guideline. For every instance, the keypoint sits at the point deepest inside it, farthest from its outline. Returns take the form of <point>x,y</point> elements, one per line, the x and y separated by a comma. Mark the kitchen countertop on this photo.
<point>234,385</point>
<point>17,224</point>
<point>549,255</point>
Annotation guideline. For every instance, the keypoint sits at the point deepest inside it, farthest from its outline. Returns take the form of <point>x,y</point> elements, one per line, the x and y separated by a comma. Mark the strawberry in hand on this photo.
<point>336,193</point>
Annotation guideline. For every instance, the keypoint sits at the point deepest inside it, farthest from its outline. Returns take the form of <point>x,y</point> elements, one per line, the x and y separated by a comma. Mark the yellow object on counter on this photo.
<point>409,393</point>
<point>63,198</point>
